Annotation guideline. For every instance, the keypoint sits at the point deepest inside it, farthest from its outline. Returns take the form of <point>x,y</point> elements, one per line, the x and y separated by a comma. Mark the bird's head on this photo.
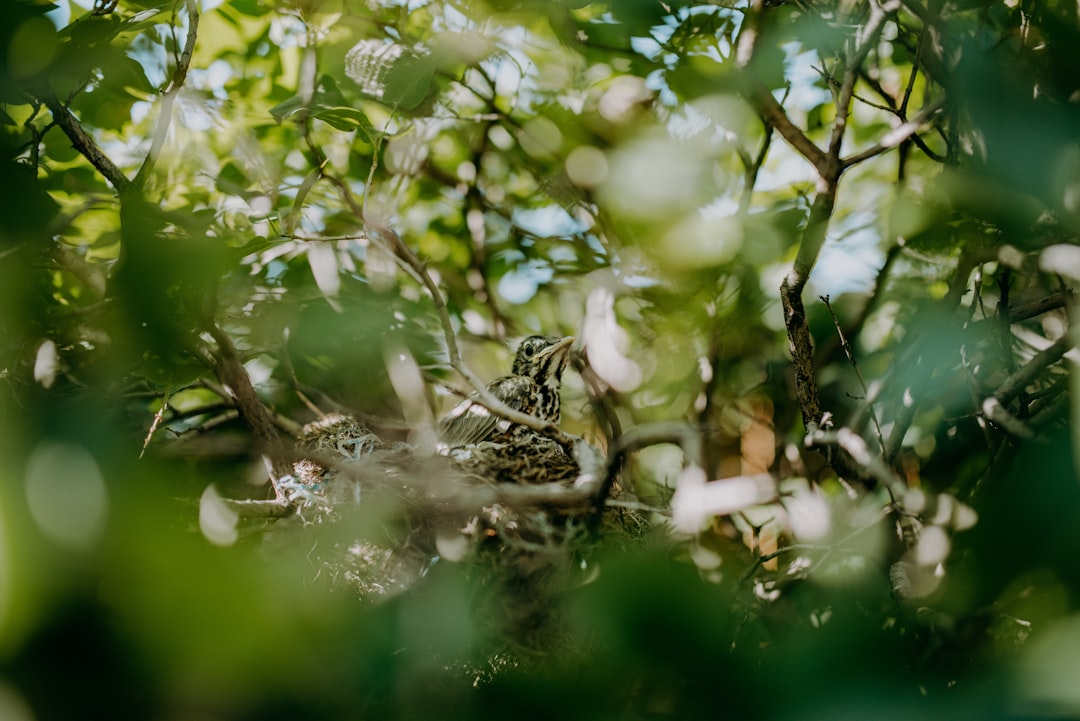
<point>542,357</point>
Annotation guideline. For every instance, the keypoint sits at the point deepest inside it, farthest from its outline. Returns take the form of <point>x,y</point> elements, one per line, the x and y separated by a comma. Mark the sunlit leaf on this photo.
<point>346,119</point>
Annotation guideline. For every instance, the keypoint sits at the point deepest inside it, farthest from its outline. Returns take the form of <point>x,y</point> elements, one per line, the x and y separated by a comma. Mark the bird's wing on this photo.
<point>469,422</point>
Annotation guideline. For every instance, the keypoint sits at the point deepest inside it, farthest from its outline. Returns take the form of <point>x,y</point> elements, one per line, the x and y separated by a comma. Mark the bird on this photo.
<point>531,388</point>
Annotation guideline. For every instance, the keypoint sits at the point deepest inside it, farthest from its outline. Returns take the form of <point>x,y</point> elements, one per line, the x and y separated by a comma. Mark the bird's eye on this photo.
<point>529,350</point>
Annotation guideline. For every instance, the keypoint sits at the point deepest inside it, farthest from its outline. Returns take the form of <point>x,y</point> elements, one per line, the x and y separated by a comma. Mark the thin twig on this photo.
<point>637,506</point>
<point>157,421</point>
<point>919,44</point>
<point>897,135</point>
<point>291,370</point>
<point>852,64</point>
<point>858,373</point>
<point>752,167</point>
<point>974,394</point>
<point>999,415</point>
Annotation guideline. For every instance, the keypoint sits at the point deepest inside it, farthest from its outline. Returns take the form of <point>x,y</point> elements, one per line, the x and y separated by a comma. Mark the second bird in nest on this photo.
<point>532,388</point>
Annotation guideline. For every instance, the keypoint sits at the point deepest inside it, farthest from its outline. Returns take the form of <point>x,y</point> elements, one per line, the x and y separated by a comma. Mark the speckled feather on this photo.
<point>533,389</point>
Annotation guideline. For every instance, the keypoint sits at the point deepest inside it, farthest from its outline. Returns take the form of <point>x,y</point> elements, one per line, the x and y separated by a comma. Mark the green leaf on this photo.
<point>343,118</point>
<point>409,80</point>
<point>328,93</point>
<point>254,8</point>
<point>128,77</point>
<point>231,179</point>
<point>92,30</point>
<point>287,108</point>
<point>638,16</point>
<point>58,146</point>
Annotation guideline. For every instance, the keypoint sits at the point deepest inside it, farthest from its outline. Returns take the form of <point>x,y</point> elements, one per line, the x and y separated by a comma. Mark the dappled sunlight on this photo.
<point>428,359</point>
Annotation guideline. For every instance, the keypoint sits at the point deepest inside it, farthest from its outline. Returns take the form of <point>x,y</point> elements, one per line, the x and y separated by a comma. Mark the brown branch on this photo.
<point>640,437</point>
<point>773,114</point>
<point>473,217</point>
<point>869,464</point>
<point>238,388</point>
<point>852,64</point>
<point>1015,384</point>
<point>897,135</point>
<point>999,415</point>
<point>81,140</point>
<point>752,167</point>
<point>802,354</point>
<point>800,344</point>
<point>1034,308</point>
<point>763,101</point>
<point>260,509</point>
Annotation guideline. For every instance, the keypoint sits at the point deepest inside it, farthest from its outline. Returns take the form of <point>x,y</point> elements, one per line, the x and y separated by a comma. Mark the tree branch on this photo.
<point>81,140</point>
<point>897,135</point>
<point>858,451</point>
<point>648,435</point>
<point>852,65</point>
<point>1015,384</point>
<point>1035,308</point>
<point>800,344</point>
<point>177,82</point>
<point>237,385</point>
<point>763,101</point>
<point>867,397</point>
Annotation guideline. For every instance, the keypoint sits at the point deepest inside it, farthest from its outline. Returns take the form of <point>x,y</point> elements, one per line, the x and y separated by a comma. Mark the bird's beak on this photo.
<point>557,347</point>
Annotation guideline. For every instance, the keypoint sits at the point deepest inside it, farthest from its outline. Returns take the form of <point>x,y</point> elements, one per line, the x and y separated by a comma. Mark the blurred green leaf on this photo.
<point>346,119</point>
<point>408,82</point>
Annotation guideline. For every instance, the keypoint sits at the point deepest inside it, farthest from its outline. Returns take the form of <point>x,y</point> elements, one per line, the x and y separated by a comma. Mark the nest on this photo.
<point>380,515</point>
